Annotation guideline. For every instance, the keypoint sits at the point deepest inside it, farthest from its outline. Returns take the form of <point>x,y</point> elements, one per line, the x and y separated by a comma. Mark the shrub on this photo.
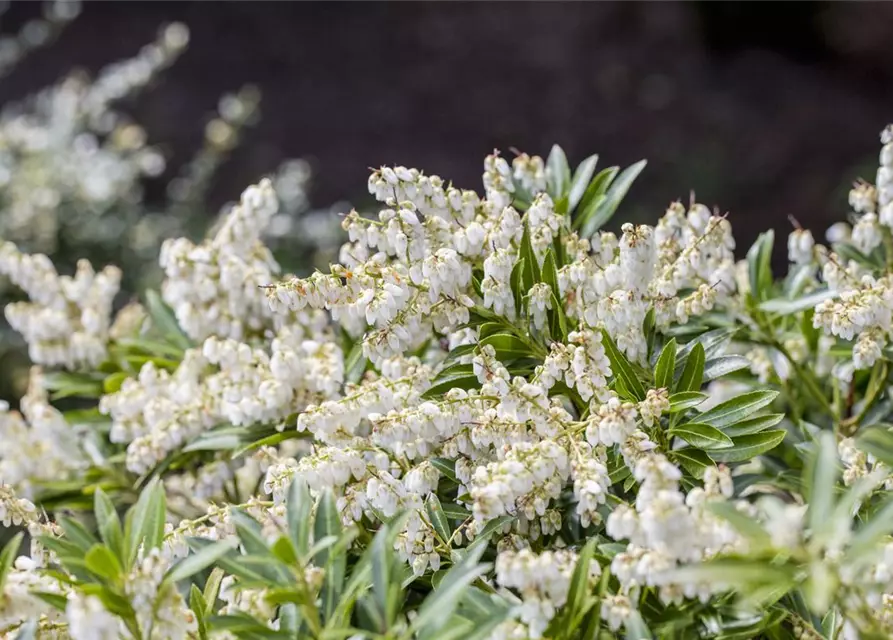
<point>490,419</point>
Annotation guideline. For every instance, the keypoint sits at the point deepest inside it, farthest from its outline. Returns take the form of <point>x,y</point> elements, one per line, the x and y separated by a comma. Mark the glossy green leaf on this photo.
<point>622,368</point>
<point>686,400</point>
<point>738,408</point>
<point>666,365</point>
<point>702,436</point>
<point>750,446</point>
<point>693,372</point>
<point>580,181</point>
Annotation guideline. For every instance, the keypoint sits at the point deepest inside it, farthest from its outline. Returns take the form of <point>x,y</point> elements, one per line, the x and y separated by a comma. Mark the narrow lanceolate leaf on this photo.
<point>877,440</point>
<point>144,523</point>
<point>458,381</point>
<point>693,373</point>
<point>298,515</point>
<point>866,538</point>
<point>8,556</point>
<point>198,605</point>
<point>743,523</point>
<point>201,560</point>
<point>692,460</point>
<point>702,436</point>
<point>716,368</point>
<point>585,220</point>
<point>737,409</point>
<point>164,322</point>
<point>759,270</point>
<point>326,523</point>
<point>714,343</point>
<point>614,196</point>
<point>753,425</point>
<point>441,603</point>
<point>108,523</point>
<point>579,586</point>
<point>558,173</point>
<point>507,346</point>
<point>785,306</point>
<point>580,181</point>
<point>821,479</point>
<point>550,273</point>
<point>438,517</point>
<point>666,365</point>
<point>747,447</point>
<point>622,367</point>
<point>686,400</point>
<point>532,273</point>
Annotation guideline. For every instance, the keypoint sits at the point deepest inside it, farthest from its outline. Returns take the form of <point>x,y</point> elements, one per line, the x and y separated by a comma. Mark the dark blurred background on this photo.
<point>764,109</point>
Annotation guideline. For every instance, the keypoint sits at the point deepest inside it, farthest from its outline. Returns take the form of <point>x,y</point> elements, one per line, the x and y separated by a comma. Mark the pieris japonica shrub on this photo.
<point>491,419</point>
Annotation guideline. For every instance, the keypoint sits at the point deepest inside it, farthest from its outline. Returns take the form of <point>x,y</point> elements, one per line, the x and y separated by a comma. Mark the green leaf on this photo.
<point>785,307</point>
<point>693,373</point>
<point>686,400</point>
<point>531,274</point>
<point>102,562</point>
<point>694,461</point>
<point>198,605</point>
<point>113,383</point>
<point>327,523</point>
<point>595,194</point>
<point>759,265</point>
<point>212,588</point>
<point>666,365</point>
<point>438,518</point>
<point>580,181</point>
<point>550,273</point>
<point>635,627</point>
<point>738,408</point>
<point>8,556</point>
<point>77,534</point>
<point>877,440</point>
<point>733,572</point>
<point>108,523</point>
<point>201,560</point>
<point>441,603</point>
<point>441,386</point>
<point>716,368</point>
<point>558,173</point>
<point>298,515</point>
<point>622,367</point>
<point>144,523</point>
<point>747,447</point>
<point>867,537</point>
<point>753,425</point>
<point>744,524</point>
<point>613,197</point>
<point>517,282</point>
<point>820,479</point>
<point>446,467</point>
<point>507,346</point>
<point>164,322</point>
<point>714,343</point>
<point>702,436</point>
<point>579,585</point>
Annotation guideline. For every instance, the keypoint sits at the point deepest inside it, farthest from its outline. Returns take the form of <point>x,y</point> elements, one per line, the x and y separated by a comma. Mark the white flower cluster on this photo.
<point>410,271</point>
<point>862,309</point>
<point>543,580</point>
<point>38,444</point>
<point>215,288</point>
<point>227,381</point>
<point>66,322</point>
<point>667,528</point>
